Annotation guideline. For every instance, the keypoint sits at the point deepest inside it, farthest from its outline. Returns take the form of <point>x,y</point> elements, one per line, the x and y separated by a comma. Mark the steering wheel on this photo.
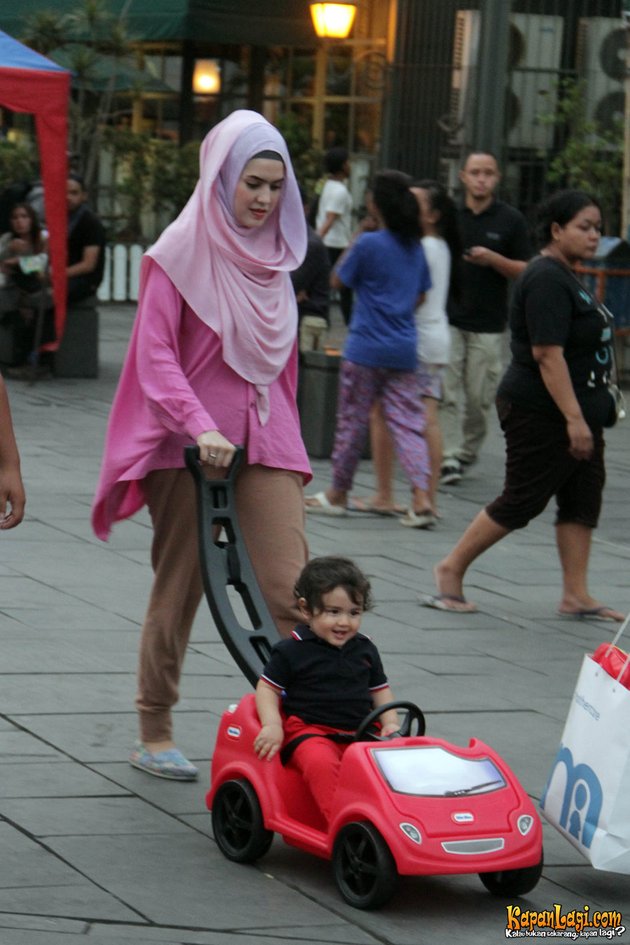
<point>412,714</point>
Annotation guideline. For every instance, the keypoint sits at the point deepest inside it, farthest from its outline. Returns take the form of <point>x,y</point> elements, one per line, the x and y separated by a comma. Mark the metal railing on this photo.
<point>598,279</point>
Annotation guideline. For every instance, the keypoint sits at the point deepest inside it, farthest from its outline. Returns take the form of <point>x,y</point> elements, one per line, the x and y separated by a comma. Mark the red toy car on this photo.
<point>409,805</point>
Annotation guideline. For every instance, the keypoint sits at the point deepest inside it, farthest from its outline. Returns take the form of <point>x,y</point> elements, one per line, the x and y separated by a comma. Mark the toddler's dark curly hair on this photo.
<point>322,575</point>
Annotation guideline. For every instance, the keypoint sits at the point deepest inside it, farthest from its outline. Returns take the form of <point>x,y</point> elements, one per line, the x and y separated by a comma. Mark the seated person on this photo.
<point>312,290</point>
<point>324,679</point>
<point>86,243</point>
<point>24,294</point>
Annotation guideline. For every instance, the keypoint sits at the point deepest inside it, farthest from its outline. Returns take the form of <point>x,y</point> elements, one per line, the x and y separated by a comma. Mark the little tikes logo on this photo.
<point>463,817</point>
<point>555,923</point>
<point>234,731</point>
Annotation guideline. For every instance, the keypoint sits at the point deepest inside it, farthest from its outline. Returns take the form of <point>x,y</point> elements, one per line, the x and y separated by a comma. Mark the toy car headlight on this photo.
<point>412,832</point>
<point>525,823</point>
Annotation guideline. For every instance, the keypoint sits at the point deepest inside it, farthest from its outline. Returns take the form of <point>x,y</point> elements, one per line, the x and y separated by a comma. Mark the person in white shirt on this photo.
<point>334,215</point>
<point>443,249</point>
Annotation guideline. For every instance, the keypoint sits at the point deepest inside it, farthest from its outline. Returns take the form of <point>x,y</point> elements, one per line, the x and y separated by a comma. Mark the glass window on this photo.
<point>337,125</point>
<point>435,772</point>
<point>339,71</point>
<point>234,84</point>
<point>301,77</point>
<point>165,67</point>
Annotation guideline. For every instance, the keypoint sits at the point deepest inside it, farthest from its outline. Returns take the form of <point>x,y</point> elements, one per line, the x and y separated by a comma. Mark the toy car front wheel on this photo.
<point>237,823</point>
<point>363,867</point>
<point>512,882</point>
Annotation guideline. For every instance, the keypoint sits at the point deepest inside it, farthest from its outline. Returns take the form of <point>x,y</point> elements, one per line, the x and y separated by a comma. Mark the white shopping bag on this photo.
<point>587,797</point>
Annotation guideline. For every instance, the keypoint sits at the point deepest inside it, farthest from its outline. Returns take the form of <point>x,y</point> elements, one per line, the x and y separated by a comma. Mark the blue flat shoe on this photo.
<point>169,764</point>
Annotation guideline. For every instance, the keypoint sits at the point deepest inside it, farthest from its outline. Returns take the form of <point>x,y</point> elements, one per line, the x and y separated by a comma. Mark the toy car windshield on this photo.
<point>435,772</point>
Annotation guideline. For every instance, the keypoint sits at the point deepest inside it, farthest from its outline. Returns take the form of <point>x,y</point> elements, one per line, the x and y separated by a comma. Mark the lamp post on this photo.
<point>332,21</point>
<point>489,125</point>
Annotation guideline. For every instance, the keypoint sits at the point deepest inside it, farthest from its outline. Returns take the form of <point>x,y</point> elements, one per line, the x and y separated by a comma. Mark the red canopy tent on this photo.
<point>31,83</point>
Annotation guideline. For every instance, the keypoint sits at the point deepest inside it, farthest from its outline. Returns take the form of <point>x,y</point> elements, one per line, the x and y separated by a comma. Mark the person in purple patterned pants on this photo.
<point>388,271</point>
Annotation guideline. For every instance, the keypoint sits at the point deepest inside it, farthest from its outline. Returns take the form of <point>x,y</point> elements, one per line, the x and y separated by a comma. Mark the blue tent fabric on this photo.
<point>13,55</point>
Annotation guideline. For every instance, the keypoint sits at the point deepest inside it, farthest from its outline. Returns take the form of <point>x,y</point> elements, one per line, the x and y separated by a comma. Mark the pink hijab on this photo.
<point>234,278</point>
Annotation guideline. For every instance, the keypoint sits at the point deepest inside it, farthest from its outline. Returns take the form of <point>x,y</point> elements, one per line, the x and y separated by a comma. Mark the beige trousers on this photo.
<point>270,508</point>
<point>313,330</point>
<point>468,388</point>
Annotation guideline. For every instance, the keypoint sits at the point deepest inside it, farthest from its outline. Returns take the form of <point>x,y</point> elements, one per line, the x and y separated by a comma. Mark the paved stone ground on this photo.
<point>92,849</point>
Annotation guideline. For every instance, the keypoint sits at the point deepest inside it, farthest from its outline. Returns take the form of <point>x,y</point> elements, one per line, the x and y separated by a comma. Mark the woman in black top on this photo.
<point>553,403</point>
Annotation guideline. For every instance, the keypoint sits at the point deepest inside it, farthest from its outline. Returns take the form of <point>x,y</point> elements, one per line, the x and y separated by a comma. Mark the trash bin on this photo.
<point>610,270</point>
<point>77,355</point>
<point>318,379</point>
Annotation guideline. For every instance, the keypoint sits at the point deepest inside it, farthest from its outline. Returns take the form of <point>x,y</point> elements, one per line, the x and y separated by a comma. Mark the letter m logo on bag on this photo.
<point>580,802</point>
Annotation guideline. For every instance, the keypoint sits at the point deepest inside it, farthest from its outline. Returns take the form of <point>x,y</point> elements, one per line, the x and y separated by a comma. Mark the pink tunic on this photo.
<point>175,385</point>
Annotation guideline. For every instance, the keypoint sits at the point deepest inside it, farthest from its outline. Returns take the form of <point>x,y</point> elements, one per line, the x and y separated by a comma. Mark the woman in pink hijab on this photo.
<point>213,361</point>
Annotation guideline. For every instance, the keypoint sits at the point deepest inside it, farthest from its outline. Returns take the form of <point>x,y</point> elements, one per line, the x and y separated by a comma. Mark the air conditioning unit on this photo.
<point>601,62</point>
<point>459,123</point>
<point>535,47</point>
<point>534,59</point>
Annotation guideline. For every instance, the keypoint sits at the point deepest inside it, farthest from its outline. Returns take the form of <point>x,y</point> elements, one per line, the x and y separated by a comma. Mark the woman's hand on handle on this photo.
<point>214,449</point>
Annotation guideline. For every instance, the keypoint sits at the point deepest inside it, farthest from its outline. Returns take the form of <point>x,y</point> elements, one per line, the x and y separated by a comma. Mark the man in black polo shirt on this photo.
<point>86,243</point>
<point>496,249</point>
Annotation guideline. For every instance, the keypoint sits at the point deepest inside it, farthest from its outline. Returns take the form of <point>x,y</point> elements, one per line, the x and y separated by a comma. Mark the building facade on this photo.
<point>416,86</point>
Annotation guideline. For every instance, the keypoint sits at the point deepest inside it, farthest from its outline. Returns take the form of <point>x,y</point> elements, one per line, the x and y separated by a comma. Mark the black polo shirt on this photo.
<point>482,306</point>
<point>325,684</point>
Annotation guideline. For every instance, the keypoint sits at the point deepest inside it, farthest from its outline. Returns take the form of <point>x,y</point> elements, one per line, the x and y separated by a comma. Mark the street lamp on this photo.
<point>333,20</point>
<point>206,77</point>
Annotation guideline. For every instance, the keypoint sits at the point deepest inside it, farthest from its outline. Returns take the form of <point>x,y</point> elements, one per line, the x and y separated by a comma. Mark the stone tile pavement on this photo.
<point>95,850</point>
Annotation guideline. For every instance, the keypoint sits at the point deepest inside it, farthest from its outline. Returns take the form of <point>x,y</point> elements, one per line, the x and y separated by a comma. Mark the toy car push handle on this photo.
<point>412,714</point>
<point>225,564</point>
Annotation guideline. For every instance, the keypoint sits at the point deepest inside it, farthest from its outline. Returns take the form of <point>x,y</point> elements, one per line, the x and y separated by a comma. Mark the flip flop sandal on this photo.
<point>603,613</point>
<point>364,505</point>
<point>418,519</point>
<point>324,506</point>
<point>441,602</point>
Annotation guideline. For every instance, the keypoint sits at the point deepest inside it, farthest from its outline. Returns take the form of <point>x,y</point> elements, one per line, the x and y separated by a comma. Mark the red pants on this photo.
<point>317,759</point>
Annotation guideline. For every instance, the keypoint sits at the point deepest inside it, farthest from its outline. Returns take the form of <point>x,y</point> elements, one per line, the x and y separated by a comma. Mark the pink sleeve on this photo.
<point>170,397</point>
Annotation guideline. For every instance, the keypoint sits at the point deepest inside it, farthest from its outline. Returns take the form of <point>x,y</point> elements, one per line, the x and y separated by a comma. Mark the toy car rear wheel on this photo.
<point>237,823</point>
<point>512,882</point>
<point>363,867</point>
